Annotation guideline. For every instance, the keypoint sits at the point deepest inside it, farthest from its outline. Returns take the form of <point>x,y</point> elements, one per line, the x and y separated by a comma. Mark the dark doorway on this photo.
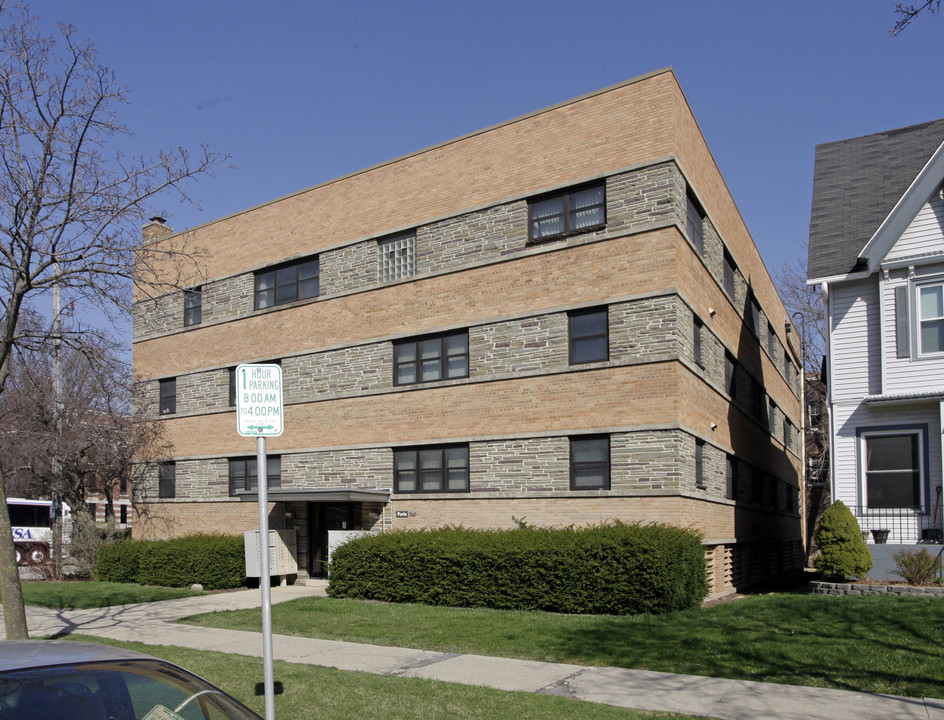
<point>323,517</point>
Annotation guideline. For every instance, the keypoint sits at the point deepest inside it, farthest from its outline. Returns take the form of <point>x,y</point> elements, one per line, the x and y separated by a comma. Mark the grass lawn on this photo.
<point>873,644</point>
<point>314,692</point>
<point>72,595</point>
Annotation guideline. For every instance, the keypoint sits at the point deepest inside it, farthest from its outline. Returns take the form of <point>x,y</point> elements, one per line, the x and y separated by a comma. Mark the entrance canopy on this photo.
<point>323,495</point>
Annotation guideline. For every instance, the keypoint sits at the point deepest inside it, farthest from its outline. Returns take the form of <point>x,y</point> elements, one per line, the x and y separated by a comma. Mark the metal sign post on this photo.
<point>259,415</point>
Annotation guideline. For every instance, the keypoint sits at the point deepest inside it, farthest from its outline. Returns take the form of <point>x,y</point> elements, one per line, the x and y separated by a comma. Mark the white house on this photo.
<point>877,253</point>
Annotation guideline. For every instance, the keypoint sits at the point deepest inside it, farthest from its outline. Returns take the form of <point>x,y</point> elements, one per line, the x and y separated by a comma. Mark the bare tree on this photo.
<point>907,14</point>
<point>70,215</point>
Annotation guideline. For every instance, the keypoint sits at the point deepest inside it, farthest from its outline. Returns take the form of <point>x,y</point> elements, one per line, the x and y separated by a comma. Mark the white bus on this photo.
<point>31,521</point>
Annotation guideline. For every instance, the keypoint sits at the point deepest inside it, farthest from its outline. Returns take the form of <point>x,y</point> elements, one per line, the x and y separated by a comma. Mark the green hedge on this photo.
<point>608,569</point>
<point>214,561</point>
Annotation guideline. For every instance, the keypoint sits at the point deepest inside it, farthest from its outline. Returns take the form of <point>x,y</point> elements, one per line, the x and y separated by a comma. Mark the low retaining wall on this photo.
<point>819,587</point>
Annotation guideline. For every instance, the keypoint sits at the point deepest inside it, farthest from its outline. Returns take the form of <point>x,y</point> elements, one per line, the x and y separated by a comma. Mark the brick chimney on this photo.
<point>155,229</point>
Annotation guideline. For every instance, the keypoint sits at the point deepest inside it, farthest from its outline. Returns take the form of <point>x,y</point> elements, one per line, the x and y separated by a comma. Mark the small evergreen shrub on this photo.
<point>608,569</point>
<point>917,567</point>
<point>214,561</point>
<point>844,553</point>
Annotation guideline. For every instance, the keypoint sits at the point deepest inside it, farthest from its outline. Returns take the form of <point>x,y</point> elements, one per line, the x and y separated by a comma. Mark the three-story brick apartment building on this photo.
<point>561,319</point>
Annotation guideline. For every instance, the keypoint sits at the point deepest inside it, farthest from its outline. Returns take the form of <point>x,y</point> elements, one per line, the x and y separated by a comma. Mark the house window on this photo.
<point>397,257</point>
<point>892,466</point>
<point>590,463</point>
<point>123,516</point>
<point>443,468</point>
<point>694,223</point>
<point>168,401</point>
<point>438,357</point>
<point>696,341</point>
<point>699,463</point>
<point>931,320</point>
<point>123,485</point>
<point>167,480</point>
<point>243,476</point>
<point>567,213</point>
<point>193,307</point>
<point>288,283</point>
<point>589,336</point>
<point>729,270</point>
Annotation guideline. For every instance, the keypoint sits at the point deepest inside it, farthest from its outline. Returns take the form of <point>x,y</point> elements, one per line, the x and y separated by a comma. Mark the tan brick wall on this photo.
<point>163,520</point>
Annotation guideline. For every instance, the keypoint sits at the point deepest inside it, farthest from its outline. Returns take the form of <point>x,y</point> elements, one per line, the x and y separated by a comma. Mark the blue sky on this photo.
<point>299,92</point>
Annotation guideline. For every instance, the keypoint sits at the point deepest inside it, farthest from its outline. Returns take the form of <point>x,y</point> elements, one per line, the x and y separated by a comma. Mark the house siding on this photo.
<point>855,341</point>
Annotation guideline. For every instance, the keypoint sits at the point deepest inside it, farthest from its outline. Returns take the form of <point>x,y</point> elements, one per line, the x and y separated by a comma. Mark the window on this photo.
<point>694,223</point>
<point>123,514</point>
<point>590,463</point>
<point>696,341</point>
<point>772,416</point>
<point>589,336</point>
<point>729,270</point>
<point>730,375</point>
<point>244,478</point>
<point>232,387</point>
<point>758,402</point>
<point>699,463</point>
<point>730,477</point>
<point>771,341</point>
<point>787,434</point>
<point>297,281</point>
<point>753,316</point>
<point>168,401</point>
<point>167,480</point>
<point>438,357</point>
<point>193,307</point>
<point>892,466</point>
<point>444,468</point>
<point>123,485</point>
<point>93,510</point>
<point>567,213</point>
<point>397,257</point>
<point>931,320</point>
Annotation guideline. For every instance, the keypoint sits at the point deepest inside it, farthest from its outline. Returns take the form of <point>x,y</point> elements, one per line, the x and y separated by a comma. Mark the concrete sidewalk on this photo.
<point>155,624</point>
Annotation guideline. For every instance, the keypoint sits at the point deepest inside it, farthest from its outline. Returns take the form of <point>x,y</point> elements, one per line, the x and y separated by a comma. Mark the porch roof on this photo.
<point>320,495</point>
<point>904,398</point>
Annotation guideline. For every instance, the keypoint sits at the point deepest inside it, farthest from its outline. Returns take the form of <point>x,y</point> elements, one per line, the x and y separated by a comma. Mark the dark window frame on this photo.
<point>272,287</point>
<point>575,338</point>
<point>700,463</point>
<point>695,221</point>
<point>600,467</point>
<point>697,350</point>
<point>167,480</point>
<point>403,458</point>
<point>729,274</point>
<point>240,473</point>
<point>167,389</point>
<point>445,355</point>
<point>232,387</point>
<point>567,212</point>
<point>730,375</point>
<point>193,306</point>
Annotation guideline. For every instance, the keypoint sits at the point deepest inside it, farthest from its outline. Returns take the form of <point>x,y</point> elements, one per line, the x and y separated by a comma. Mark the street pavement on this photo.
<point>155,624</point>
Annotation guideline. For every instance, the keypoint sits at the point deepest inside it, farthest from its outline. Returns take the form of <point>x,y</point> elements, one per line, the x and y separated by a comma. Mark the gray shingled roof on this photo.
<point>856,184</point>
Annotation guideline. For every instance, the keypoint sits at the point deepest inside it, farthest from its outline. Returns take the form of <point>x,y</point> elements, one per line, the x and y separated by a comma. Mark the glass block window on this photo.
<point>397,257</point>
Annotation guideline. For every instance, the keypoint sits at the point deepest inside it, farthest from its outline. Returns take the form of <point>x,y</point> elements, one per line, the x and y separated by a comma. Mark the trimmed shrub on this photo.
<point>214,561</point>
<point>844,552</point>
<point>917,567</point>
<point>608,569</point>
